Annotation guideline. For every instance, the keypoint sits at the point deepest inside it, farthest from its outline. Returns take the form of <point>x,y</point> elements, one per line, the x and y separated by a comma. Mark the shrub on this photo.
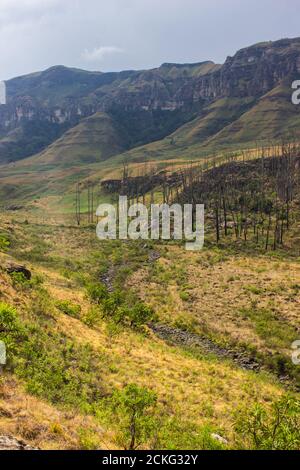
<point>116,309</point>
<point>20,281</point>
<point>88,440</point>
<point>275,429</point>
<point>133,407</point>
<point>4,243</point>
<point>112,303</point>
<point>184,296</point>
<point>11,330</point>
<point>92,317</point>
<point>8,318</point>
<point>141,314</point>
<point>119,307</point>
<point>67,307</point>
<point>97,292</point>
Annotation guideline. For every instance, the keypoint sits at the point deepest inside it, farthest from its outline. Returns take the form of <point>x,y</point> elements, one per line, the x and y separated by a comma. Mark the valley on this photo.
<point>200,343</point>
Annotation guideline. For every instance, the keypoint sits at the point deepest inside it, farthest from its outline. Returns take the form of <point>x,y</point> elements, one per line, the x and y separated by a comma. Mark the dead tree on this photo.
<point>78,204</point>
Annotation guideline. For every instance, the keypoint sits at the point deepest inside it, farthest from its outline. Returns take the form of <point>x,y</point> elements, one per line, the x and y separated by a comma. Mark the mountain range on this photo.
<point>65,117</point>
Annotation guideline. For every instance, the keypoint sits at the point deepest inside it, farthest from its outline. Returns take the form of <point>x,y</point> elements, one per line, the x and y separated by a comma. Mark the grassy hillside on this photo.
<point>273,117</point>
<point>29,138</point>
<point>78,361</point>
<point>96,138</point>
<point>200,342</point>
<point>228,124</point>
<point>56,84</point>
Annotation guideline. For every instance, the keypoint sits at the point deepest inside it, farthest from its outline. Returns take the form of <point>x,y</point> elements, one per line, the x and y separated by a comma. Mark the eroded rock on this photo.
<point>10,443</point>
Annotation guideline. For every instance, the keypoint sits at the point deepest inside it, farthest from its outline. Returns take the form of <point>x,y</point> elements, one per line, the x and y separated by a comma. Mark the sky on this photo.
<point>112,35</point>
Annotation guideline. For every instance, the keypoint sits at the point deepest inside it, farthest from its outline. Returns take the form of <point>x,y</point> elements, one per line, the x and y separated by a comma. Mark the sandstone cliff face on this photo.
<point>252,71</point>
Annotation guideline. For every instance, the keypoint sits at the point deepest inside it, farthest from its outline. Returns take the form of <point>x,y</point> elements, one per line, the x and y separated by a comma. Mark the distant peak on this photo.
<point>63,68</point>
<point>280,43</point>
<point>194,64</point>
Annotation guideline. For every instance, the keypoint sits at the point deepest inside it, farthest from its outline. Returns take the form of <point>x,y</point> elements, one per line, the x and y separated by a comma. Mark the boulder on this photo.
<point>16,268</point>
<point>220,439</point>
<point>10,443</point>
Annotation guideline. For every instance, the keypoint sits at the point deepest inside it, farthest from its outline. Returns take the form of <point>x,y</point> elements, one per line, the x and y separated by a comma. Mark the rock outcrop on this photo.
<point>10,443</point>
<point>12,268</point>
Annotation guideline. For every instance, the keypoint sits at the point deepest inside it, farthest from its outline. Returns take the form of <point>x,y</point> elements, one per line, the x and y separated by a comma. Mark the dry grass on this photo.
<point>219,289</point>
<point>200,389</point>
<point>41,425</point>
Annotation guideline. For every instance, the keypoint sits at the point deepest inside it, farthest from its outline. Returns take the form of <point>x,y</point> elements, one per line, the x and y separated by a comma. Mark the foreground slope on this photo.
<point>80,361</point>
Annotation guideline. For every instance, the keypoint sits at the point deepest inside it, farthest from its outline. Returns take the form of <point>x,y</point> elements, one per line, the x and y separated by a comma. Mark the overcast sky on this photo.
<point>111,35</point>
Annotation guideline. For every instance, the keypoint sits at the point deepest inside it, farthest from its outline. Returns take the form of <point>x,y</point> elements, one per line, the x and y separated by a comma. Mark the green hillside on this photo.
<point>229,123</point>
<point>272,118</point>
<point>94,139</point>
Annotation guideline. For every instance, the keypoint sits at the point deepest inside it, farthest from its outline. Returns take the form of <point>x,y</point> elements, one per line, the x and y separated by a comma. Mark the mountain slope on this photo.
<point>93,139</point>
<point>229,123</point>
<point>273,117</point>
<point>174,112</point>
<point>148,104</point>
<point>42,106</point>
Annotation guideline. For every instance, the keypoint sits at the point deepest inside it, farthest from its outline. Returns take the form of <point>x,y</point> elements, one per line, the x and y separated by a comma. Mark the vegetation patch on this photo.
<point>53,366</point>
<point>276,428</point>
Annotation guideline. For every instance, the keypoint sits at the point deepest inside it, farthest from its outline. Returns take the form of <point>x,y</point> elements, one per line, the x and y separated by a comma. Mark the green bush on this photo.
<point>118,307</point>
<point>92,317</point>
<point>112,303</point>
<point>20,281</point>
<point>97,292</point>
<point>67,307</point>
<point>52,366</point>
<point>89,440</point>
<point>184,296</point>
<point>11,330</point>
<point>4,243</point>
<point>133,407</point>
<point>277,428</point>
<point>141,314</point>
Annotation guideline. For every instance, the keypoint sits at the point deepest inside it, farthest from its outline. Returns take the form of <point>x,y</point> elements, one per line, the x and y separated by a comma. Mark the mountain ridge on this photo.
<point>148,107</point>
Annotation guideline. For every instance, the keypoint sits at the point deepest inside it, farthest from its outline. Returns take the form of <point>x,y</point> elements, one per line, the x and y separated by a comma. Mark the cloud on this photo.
<point>36,34</point>
<point>6,5</point>
<point>98,53</point>
<point>16,12</point>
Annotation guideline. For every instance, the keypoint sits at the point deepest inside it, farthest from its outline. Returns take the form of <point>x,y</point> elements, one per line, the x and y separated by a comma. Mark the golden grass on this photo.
<point>218,290</point>
<point>201,390</point>
<point>40,424</point>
